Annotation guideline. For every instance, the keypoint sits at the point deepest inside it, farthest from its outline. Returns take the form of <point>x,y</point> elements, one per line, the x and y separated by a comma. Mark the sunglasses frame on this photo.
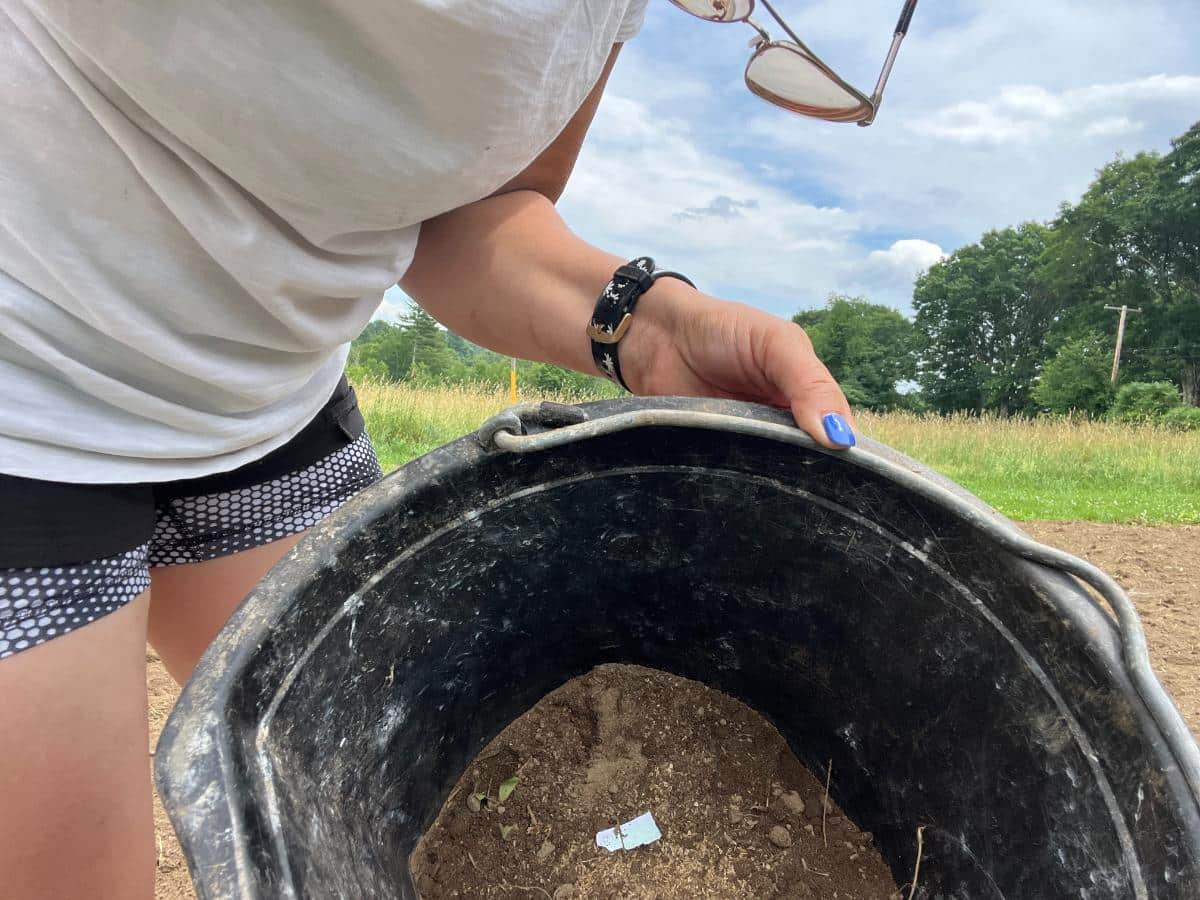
<point>863,113</point>
<point>868,107</point>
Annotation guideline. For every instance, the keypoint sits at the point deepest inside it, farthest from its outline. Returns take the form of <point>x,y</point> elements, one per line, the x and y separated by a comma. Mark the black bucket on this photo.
<point>877,615</point>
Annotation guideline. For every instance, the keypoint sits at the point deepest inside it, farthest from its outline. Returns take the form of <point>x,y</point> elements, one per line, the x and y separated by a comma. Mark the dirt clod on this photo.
<point>780,837</point>
<point>792,804</point>
<point>735,813</point>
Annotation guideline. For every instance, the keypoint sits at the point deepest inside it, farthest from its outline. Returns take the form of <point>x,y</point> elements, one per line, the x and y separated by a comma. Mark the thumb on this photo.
<point>823,414</point>
<point>817,403</point>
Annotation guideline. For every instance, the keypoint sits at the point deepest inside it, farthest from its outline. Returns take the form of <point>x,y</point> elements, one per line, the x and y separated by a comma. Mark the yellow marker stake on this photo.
<point>512,381</point>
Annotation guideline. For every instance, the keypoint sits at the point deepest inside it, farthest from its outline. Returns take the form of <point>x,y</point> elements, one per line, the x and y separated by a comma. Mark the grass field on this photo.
<point>1028,469</point>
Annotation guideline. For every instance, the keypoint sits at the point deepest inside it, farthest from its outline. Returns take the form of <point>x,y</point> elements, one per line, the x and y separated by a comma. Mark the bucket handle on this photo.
<point>566,424</point>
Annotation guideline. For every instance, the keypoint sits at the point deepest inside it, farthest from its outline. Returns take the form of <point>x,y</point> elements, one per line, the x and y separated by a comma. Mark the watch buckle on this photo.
<point>600,336</point>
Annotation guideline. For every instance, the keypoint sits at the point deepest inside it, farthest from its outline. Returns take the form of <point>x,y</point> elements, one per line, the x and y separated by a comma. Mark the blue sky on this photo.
<point>995,113</point>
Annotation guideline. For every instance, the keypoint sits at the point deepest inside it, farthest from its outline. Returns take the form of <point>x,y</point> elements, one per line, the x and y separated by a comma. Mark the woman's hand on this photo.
<point>684,342</point>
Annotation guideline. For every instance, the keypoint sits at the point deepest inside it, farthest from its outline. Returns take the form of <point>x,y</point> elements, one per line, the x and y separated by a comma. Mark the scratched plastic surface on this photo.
<point>952,685</point>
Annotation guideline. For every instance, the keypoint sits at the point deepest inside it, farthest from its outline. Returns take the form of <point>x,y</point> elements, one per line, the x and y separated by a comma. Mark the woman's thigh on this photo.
<point>191,602</point>
<point>75,809</point>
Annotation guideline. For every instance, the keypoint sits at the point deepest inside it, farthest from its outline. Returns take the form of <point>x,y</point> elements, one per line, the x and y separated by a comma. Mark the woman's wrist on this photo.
<point>655,328</point>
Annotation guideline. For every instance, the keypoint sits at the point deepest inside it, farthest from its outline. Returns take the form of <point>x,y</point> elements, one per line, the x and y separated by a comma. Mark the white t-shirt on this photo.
<point>202,203</point>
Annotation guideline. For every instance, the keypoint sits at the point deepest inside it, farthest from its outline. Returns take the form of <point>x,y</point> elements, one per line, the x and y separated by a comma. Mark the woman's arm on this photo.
<point>507,273</point>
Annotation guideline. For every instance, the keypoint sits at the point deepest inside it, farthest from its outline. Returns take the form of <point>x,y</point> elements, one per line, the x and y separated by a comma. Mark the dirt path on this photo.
<point>171,881</point>
<point>1158,566</point>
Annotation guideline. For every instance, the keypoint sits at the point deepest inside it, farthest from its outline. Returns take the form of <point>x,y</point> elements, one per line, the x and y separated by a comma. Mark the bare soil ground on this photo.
<point>1159,566</point>
<point>740,815</point>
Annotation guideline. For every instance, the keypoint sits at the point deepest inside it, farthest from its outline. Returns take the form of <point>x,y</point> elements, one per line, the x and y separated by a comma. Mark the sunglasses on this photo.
<point>790,75</point>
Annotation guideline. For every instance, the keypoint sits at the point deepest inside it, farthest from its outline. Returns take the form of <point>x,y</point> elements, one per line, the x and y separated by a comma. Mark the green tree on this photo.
<point>462,348</point>
<point>1134,239</point>
<point>1145,401</point>
<point>419,350</point>
<point>430,349</point>
<point>1077,378</point>
<point>1179,208</point>
<point>544,378</point>
<point>1179,228</point>
<point>867,347</point>
<point>366,369</point>
<point>1181,418</point>
<point>982,322</point>
<point>488,368</point>
<point>383,345</point>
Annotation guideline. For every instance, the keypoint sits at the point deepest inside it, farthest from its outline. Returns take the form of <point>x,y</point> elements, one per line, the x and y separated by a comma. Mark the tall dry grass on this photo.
<point>1026,468</point>
<point>406,421</point>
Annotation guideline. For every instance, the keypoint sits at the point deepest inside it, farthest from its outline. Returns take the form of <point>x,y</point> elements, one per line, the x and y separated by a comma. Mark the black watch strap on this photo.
<point>614,312</point>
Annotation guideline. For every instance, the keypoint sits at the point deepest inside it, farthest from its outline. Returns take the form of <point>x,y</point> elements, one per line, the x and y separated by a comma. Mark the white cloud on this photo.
<point>722,223</point>
<point>883,275</point>
<point>720,207</point>
<point>907,258</point>
<point>1153,89</point>
<point>395,305</point>
<point>948,174</point>
<point>1028,113</point>
<point>735,229</point>
<point>971,122</point>
<point>1110,127</point>
<point>1032,100</point>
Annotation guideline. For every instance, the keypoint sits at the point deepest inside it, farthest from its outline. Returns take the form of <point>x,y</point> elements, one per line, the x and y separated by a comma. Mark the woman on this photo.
<point>202,205</point>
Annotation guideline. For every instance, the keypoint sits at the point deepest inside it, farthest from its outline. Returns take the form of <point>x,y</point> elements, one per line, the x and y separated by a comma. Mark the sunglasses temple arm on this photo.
<point>877,94</point>
<point>906,15</point>
<point>787,28</point>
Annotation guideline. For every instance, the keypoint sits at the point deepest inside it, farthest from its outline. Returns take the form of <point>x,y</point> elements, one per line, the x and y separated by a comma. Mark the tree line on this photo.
<point>1020,322</point>
<point>417,349</point>
<point>1013,324</point>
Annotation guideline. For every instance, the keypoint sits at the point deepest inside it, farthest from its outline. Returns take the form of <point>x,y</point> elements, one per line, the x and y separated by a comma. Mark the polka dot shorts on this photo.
<point>39,604</point>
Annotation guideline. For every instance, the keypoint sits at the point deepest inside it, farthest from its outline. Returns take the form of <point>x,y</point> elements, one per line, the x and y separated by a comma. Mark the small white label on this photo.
<point>634,833</point>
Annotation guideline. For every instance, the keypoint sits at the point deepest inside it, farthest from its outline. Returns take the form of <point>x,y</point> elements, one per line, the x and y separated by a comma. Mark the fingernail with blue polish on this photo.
<point>837,430</point>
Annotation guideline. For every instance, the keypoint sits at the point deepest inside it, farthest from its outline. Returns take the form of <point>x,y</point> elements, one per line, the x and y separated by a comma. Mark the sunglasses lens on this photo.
<point>786,77</point>
<point>717,10</point>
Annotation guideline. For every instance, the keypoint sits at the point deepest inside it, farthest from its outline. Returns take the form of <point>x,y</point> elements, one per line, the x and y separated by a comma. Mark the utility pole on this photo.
<point>1120,336</point>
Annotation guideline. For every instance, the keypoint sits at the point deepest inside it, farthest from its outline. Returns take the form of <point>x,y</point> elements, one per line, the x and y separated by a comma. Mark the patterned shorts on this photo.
<point>187,522</point>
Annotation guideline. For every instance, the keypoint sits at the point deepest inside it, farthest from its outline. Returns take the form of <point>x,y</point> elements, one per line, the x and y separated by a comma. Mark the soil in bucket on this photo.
<point>739,815</point>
